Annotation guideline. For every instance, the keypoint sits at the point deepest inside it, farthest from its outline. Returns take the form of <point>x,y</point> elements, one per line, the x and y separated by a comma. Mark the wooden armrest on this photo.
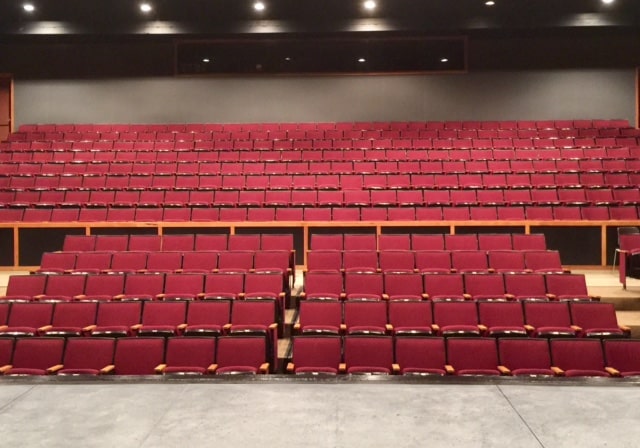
<point>343,295</point>
<point>136,327</point>
<point>142,271</point>
<point>528,271</point>
<point>68,271</point>
<point>160,368</point>
<point>491,270</point>
<point>551,296</point>
<point>54,369</point>
<point>395,369</point>
<point>342,368</point>
<point>388,327</point>
<point>343,328</point>
<point>89,328</point>
<point>435,327</point>
<point>576,328</point>
<point>529,327</point>
<point>3,327</point>
<point>264,367</point>
<point>425,296</point>
<point>504,370</point>
<point>226,327</point>
<point>182,326</point>
<point>160,296</point>
<point>557,370</point>
<point>39,297</point>
<point>118,297</point>
<point>467,296</point>
<point>4,369</point>
<point>107,369</point>
<point>611,371</point>
<point>291,367</point>
<point>510,296</point>
<point>79,297</point>
<point>625,329</point>
<point>482,327</point>
<point>385,296</point>
<point>45,328</point>
<point>453,270</point>
<point>273,326</point>
<point>212,368</point>
<point>449,369</point>
<point>302,295</point>
<point>241,295</point>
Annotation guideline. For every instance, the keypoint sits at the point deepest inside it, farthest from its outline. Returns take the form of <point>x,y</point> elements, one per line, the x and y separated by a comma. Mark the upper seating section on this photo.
<point>404,171</point>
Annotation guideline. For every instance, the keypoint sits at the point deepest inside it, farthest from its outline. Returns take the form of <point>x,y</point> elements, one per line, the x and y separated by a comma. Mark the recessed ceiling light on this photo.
<point>608,2</point>
<point>444,60</point>
<point>259,6</point>
<point>288,59</point>
<point>362,60</point>
<point>369,5</point>
<point>145,7</point>
<point>28,7</point>
<point>205,60</point>
<point>490,3</point>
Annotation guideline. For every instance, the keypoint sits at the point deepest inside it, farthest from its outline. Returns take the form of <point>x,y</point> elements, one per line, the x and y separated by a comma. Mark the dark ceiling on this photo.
<point>114,38</point>
<point>234,17</point>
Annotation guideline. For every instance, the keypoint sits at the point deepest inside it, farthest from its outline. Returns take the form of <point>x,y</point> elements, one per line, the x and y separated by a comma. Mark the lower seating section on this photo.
<point>386,318</point>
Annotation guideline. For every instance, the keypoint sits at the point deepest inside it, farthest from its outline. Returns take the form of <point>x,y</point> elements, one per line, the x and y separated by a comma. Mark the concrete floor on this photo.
<point>362,414</point>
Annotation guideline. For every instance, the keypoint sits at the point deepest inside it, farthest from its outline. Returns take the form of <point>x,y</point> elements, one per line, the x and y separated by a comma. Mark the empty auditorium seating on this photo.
<point>35,356</point>
<point>525,357</point>
<point>368,355</point>
<point>188,356</point>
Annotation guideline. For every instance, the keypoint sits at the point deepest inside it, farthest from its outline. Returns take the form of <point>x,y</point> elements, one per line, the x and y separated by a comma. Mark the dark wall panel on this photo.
<point>560,94</point>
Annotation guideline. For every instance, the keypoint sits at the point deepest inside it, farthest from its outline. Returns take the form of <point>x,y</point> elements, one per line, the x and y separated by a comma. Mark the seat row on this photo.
<point>495,197</point>
<point>432,261</point>
<point>359,285</point>
<point>465,356</point>
<point>323,140</point>
<point>312,181</point>
<point>345,126</point>
<point>137,286</point>
<point>427,241</point>
<point>461,319</point>
<point>296,214</point>
<point>178,242</point>
<point>134,356</point>
<point>193,262</point>
<point>56,159</point>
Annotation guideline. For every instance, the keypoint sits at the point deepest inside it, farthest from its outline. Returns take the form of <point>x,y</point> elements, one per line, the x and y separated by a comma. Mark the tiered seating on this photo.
<point>426,356</point>
<point>509,171</point>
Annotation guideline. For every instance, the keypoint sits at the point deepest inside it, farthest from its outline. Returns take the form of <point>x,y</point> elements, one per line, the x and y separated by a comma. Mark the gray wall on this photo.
<point>561,94</point>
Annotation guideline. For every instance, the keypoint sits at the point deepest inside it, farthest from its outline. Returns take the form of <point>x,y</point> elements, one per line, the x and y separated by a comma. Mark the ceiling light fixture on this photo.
<point>490,3</point>
<point>28,7</point>
<point>145,7</point>
<point>444,60</point>
<point>206,60</point>
<point>369,5</point>
<point>608,2</point>
<point>362,60</point>
<point>259,6</point>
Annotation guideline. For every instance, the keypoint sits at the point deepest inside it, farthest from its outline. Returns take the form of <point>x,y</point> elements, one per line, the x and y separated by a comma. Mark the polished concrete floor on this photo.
<point>334,414</point>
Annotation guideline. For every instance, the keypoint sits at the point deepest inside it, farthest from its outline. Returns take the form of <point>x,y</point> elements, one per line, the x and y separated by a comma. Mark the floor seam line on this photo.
<point>18,397</point>
<point>520,417</point>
